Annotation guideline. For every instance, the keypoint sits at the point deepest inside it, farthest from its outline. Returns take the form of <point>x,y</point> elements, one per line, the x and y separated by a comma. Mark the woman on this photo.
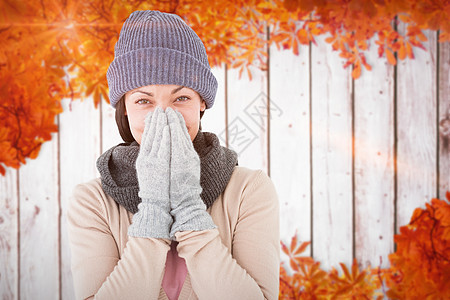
<point>173,216</point>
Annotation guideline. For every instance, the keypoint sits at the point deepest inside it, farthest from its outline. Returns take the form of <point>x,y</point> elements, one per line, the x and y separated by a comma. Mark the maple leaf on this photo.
<point>67,46</point>
<point>422,256</point>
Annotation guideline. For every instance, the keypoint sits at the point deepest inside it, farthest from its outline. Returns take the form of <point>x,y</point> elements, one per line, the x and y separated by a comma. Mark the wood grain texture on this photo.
<point>9,243</point>
<point>290,142</point>
<point>374,162</point>
<point>331,157</point>
<point>79,150</point>
<point>444,119</point>
<point>39,227</point>
<point>247,118</point>
<point>110,133</point>
<point>29,226</point>
<point>416,130</point>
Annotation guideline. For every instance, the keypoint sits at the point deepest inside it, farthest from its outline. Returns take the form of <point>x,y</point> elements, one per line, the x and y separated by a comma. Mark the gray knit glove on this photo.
<point>153,219</point>
<point>187,207</point>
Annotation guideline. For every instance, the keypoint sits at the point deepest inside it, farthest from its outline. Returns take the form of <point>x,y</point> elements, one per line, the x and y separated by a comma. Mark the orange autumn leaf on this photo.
<point>67,45</point>
<point>390,57</point>
<point>420,267</point>
<point>356,71</point>
<point>409,50</point>
<point>402,52</point>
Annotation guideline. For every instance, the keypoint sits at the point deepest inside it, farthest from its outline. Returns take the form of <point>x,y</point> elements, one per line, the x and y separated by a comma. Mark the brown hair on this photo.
<point>124,126</point>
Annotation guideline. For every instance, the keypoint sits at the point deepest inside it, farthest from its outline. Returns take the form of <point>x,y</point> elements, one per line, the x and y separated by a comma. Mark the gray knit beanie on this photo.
<point>159,48</point>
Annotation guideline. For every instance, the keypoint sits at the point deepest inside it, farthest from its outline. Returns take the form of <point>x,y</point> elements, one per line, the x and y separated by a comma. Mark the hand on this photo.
<point>186,205</point>
<point>153,172</point>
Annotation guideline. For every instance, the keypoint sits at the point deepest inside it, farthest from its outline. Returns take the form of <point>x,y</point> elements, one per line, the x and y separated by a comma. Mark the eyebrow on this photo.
<point>151,94</point>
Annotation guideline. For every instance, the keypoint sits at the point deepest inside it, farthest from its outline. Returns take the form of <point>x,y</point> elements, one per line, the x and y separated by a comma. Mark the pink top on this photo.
<point>175,273</point>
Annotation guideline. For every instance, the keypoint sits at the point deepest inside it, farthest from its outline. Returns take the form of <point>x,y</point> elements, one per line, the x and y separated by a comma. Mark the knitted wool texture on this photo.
<point>187,207</point>
<point>153,218</point>
<point>159,48</point>
<point>117,168</point>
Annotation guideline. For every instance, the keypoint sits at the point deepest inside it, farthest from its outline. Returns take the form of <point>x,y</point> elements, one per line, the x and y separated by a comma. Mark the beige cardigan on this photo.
<point>239,260</point>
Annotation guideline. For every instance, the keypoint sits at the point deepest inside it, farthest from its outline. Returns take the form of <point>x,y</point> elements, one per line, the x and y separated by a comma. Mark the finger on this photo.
<point>173,122</point>
<point>183,126</point>
<point>153,122</point>
<point>176,133</point>
<point>161,122</point>
<point>181,150</point>
<point>149,131</point>
<point>164,148</point>
<point>175,117</point>
<point>171,116</point>
<point>177,123</point>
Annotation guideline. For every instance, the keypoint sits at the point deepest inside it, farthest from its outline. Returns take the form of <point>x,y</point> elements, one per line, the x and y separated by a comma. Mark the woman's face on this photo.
<point>139,102</point>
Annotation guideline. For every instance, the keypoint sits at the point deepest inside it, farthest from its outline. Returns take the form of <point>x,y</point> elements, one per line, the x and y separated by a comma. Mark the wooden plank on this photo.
<point>290,141</point>
<point>374,162</point>
<point>79,150</point>
<point>9,243</point>
<point>444,119</point>
<point>214,118</point>
<point>39,228</point>
<point>331,157</point>
<point>110,133</point>
<point>247,117</point>
<point>416,130</point>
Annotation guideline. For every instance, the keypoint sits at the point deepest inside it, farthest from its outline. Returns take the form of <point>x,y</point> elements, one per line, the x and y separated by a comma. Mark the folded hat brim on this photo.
<point>147,66</point>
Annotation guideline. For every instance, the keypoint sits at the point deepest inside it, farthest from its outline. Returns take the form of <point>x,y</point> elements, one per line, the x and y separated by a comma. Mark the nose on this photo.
<point>164,106</point>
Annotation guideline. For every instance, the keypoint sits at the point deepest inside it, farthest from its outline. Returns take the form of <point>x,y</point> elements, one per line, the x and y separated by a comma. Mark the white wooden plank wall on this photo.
<point>331,157</point>
<point>9,235</point>
<point>374,197</point>
<point>290,151</point>
<point>416,131</point>
<point>350,159</point>
<point>39,225</point>
<point>79,148</point>
<point>444,119</point>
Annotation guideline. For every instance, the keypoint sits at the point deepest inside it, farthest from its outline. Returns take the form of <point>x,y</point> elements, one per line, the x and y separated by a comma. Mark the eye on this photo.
<point>142,101</point>
<point>183,99</point>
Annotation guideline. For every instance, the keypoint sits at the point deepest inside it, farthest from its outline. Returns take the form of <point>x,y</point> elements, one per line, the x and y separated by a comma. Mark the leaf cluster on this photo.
<point>55,49</point>
<point>419,268</point>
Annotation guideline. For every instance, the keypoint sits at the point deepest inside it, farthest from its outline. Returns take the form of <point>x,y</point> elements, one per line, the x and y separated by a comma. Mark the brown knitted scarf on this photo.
<point>117,167</point>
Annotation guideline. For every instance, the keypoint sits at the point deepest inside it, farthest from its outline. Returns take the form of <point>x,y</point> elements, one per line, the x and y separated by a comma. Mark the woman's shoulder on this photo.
<point>247,176</point>
<point>251,195</point>
<point>245,180</point>
<point>93,183</point>
<point>244,172</point>
<point>90,196</point>
<point>91,189</point>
